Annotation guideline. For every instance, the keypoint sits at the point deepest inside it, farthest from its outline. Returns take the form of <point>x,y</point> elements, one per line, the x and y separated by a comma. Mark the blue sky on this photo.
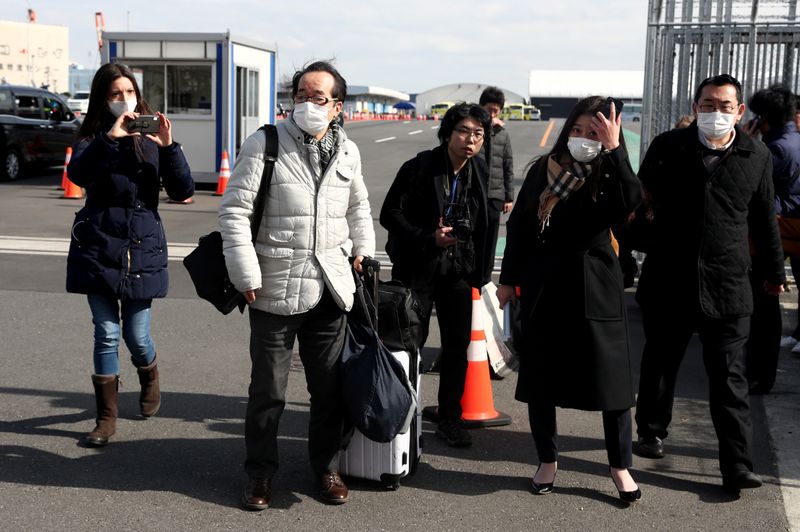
<point>410,46</point>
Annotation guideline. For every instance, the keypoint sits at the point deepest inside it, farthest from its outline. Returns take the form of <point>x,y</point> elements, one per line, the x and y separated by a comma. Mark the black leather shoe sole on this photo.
<point>741,481</point>
<point>332,500</point>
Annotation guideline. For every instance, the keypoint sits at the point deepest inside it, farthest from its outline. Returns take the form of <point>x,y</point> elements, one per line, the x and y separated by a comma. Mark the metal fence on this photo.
<point>756,41</point>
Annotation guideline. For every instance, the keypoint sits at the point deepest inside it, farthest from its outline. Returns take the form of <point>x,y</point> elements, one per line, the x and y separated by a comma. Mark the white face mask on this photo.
<point>311,118</point>
<point>117,107</point>
<point>584,150</point>
<point>715,125</point>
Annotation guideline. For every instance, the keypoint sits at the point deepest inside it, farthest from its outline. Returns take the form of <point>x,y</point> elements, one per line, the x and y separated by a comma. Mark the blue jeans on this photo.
<point>135,331</point>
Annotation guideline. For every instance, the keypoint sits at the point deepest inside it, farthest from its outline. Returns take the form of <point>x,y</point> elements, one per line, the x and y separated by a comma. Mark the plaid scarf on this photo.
<point>326,145</point>
<point>561,182</point>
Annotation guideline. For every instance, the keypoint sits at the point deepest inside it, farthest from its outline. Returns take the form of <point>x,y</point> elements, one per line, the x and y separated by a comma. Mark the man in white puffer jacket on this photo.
<point>297,277</point>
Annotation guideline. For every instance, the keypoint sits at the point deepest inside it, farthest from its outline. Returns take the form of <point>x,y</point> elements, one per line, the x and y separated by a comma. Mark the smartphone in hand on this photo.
<point>607,107</point>
<point>144,124</point>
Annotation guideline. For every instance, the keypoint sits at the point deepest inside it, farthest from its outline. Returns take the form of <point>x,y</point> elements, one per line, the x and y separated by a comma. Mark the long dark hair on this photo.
<point>98,115</point>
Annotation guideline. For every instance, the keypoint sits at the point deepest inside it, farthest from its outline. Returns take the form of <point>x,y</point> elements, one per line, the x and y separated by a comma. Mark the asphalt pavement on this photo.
<point>181,470</point>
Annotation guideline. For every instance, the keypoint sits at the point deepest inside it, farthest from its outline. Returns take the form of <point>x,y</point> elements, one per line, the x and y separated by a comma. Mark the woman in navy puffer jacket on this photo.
<point>118,250</point>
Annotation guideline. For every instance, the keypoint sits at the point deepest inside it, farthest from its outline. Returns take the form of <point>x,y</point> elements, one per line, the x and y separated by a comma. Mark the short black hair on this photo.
<point>459,112</point>
<point>776,105</point>
<point>339,84</point>
<point>718,81</point>
<point>492,95</point>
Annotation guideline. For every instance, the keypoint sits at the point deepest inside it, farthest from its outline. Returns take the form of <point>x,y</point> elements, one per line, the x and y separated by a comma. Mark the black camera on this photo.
<point>457,217</point>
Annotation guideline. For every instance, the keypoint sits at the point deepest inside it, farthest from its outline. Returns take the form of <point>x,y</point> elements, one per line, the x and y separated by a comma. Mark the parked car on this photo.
<point>79,103</point>
<point>36,128</point>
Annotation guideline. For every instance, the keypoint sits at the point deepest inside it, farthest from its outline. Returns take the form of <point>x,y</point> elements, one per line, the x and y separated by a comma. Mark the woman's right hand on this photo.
<point>506,293</point>
<point>249,295</point>
<point>118,130</point>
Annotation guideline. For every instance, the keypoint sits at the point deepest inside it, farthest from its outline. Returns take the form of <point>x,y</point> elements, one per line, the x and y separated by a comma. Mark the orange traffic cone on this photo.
<point>224,174</point>
<point>72,191</point>
<point>477,404</point>
<point>64,178</point>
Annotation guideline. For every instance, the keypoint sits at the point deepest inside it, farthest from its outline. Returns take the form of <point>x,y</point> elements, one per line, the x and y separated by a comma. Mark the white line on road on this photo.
<point>415,132</point>
<point>58,247</point>
<point>434,127</point>
<point>384,140</point>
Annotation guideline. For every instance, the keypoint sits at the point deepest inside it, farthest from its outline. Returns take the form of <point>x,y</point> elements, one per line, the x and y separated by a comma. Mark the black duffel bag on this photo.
<point>206,263</point>
<point>379,399</point>
<point>206,267</point>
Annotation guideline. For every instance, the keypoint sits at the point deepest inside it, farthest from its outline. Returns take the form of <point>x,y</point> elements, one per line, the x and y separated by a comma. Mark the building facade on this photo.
<point>36,55</point>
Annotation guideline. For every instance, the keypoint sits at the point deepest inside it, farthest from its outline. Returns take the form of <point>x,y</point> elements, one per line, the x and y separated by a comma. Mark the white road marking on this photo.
<point>434,127</point>
<point>415,132</point>
<point>384,140</point>
<point>58,247</point>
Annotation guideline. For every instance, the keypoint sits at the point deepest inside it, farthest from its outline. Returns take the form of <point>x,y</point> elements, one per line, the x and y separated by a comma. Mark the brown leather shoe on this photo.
<point>332,489</point>
<point>257,494</point>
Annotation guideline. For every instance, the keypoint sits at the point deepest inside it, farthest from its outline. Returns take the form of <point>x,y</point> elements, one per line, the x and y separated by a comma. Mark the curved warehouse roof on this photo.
<point>353,90</point>
<point>581,83</point>
<point>458,92</point>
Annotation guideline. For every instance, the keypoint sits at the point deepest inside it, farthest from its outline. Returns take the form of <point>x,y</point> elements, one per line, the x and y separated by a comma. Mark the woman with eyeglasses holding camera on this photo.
<point>574,351</point>
<point>118,251</point>
<point>435,212</point>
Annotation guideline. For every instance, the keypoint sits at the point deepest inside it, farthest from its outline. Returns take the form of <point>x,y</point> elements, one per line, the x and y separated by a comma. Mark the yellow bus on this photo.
<point>513,111</point>
<point>439,109</point>
<point>531,112</point>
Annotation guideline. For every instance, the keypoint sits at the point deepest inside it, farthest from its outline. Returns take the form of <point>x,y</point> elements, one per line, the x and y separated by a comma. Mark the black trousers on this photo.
<point>617,430</point>
<point>667,334</point>
<point>320,333</point>
<point>453,299</point>
<point>764,343</point>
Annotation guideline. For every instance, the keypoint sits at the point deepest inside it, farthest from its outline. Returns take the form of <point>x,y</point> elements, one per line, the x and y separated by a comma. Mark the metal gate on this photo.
<point>755,41</point>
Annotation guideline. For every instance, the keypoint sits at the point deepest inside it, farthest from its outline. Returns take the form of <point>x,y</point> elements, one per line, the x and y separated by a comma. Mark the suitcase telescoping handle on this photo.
<point>371,270</point>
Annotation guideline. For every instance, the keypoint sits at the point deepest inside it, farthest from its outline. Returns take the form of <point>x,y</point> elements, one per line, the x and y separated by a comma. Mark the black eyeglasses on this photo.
<point>316,100</point>
<point>465,132</point>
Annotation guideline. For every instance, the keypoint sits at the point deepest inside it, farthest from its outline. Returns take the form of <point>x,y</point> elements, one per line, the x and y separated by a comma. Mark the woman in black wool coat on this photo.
<point>558,250</point>
<point>118,250</point>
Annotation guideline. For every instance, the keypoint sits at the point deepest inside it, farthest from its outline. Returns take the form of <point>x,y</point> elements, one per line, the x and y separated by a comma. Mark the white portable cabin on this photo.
<point>215,88</point>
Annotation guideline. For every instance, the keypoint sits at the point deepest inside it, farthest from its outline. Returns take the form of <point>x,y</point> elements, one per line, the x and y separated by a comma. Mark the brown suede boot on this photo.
<point>150,396</point>
<point>105,395</point>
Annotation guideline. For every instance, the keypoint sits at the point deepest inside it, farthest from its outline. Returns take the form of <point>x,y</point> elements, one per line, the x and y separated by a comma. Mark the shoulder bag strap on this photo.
<point>270,156</point>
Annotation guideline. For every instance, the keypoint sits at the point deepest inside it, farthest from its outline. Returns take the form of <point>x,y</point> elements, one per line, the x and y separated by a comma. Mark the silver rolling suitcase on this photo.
<point>391,461</point>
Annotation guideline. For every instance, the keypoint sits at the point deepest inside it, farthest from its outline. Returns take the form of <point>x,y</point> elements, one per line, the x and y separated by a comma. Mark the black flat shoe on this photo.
<point>541,489</point>
<point>627,496</point>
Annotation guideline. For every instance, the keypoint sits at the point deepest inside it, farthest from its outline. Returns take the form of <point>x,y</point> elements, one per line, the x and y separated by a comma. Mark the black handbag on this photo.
<point>378,396</point>
<point>400,317</point>
<point>206,263</point>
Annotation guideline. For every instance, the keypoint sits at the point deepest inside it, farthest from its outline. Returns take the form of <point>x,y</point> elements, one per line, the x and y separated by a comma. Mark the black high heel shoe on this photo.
<point>626,496</point>
<point>541,489</point>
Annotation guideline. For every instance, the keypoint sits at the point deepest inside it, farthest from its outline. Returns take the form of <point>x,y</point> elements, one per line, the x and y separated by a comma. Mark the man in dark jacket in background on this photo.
<point>497,154</point>
<point>775,109</point>
<point>710,187</point>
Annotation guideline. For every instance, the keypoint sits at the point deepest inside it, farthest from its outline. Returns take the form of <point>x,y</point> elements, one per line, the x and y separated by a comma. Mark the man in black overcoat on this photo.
<point>712,195</point>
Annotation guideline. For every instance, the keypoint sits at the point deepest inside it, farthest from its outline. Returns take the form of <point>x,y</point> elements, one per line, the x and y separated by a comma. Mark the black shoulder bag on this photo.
<point>206,263</point>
